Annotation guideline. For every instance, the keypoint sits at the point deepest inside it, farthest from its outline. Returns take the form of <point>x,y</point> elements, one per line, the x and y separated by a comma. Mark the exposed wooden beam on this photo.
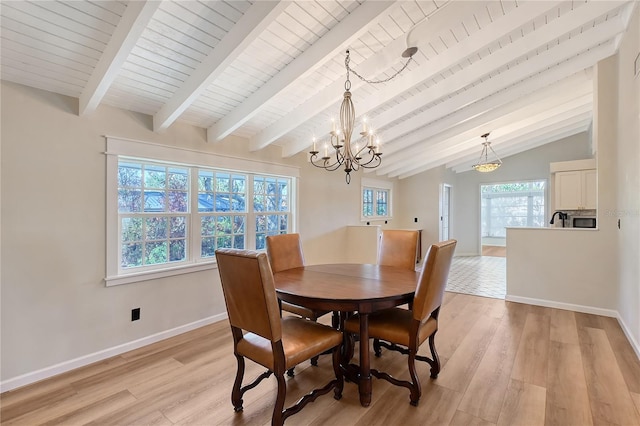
<point>565,118</point>
<point>532,141</point>
<point>531,91</point>
<point>532,66</point>
<point>317,54</point>
<point>132,23</point>
<point>244,32</point>
<point>384,59</point>
<point>465,49</point>
<point>518,110</point>
<point>524,45</point>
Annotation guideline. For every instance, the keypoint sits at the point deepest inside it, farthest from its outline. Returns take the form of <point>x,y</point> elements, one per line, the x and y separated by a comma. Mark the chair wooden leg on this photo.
<point>415,381</point>
<point>278,419</point>
<point>335,320</point>
<point>337,391</point>
<point>377,349</point>
<point>435,364</point>
<point>236,393</point>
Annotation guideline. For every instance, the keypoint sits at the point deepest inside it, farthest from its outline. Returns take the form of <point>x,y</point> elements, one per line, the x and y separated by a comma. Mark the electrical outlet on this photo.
<point>415,219</point>
<point>135,314</point>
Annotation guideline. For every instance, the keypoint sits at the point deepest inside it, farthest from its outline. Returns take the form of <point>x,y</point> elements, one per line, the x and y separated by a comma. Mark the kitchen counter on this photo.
<point>565,268</point>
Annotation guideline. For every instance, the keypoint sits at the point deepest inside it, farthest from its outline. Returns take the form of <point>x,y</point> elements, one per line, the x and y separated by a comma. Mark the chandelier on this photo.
<point>484,165</point>
<point>340,150</point>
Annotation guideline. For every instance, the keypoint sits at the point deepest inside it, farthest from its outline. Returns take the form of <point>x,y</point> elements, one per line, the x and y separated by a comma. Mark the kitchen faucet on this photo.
<point>561,215</point>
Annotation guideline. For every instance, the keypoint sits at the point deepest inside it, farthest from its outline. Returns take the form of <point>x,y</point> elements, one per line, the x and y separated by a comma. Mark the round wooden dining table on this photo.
<point>349,288</point>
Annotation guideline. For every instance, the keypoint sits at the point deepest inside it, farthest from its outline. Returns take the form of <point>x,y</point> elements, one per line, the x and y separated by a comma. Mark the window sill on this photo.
<point>161,273</point>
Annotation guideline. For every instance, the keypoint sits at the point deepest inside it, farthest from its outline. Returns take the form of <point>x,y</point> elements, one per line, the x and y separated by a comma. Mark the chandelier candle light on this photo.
<point>364,151</point>
<point>484,165</point>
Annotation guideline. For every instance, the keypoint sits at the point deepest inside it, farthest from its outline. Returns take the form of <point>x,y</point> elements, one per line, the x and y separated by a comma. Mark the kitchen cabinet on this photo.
<point>576,190</point>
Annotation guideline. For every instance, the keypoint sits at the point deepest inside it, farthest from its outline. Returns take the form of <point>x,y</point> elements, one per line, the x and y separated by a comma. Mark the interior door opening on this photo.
<point>445,211</point>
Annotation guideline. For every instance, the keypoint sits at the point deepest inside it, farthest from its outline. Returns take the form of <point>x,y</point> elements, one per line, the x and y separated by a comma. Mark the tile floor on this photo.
<point>479,276</point>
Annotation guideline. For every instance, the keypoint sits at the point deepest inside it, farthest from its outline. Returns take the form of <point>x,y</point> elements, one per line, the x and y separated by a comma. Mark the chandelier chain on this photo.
<point>346,64</point>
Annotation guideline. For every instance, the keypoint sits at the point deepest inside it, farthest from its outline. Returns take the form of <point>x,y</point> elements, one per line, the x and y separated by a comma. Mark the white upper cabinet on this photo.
<point>576,190</point>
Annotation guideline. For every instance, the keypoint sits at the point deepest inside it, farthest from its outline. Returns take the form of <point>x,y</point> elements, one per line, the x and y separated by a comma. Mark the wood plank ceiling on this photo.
<point>273,72</point>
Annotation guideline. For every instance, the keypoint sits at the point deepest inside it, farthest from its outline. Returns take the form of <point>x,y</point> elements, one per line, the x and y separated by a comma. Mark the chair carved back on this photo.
<point>285,252</point>
<point>249,292</point>
<point>433,279</point>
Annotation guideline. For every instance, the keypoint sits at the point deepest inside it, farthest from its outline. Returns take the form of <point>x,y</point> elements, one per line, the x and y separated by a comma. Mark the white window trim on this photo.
<point>376,184</point>
<point>156,152</point>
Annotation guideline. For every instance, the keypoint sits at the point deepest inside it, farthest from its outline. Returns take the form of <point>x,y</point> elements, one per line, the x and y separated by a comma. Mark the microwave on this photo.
<point>583,222</point>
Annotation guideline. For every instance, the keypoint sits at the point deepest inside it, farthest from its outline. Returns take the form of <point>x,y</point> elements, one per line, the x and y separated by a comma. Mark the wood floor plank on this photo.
<point>636,400</point>
<point>524,404</point>
<point>187,379</point>
<point>625,356</point>
<point>485,394</point>
<point>465,419</point>
<point>455,321</point>
<point>530,365</point>
<point>563,327</point>
<point>437,407</point>
<point>567,396</point>
<point>609,396</point>
<point>462,365</point>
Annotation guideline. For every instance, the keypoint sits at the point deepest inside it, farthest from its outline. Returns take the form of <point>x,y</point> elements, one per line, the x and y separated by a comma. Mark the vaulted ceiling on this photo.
<point>274,73</point>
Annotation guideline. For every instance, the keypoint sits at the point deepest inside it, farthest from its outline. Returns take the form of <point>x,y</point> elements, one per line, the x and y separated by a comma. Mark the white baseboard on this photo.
<point>630,338</point>
<point>580,308</point>
<point>45,373</point>
<point>561,305</point>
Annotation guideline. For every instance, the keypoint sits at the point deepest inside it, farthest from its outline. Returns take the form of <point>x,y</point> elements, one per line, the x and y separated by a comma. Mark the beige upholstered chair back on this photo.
<point>285,252</point>
<point>398,248</point>
<point>433,279</point>
<point>249,292</point>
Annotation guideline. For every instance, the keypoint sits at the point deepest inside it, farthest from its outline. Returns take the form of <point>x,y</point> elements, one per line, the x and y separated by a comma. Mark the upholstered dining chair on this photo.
<point>398,248</point>
<point>285,252</point>
<point>405,330</point>
<point>261,335</point>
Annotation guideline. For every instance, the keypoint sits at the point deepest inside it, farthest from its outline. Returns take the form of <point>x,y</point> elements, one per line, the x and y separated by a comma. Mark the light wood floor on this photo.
<point>499,251</point>
<point>503,364</point>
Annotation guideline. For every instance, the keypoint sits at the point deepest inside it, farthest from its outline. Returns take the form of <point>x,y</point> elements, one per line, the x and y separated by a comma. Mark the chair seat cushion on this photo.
<point>392,325</point>
<point>302,311</point>
<point>301,340</point>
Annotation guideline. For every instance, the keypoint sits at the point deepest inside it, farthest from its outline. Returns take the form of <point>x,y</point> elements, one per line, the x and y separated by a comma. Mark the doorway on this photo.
<point>509,204</point>
<point>445,211</point>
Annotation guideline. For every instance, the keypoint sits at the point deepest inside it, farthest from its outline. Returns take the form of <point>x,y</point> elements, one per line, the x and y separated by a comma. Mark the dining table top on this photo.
<point>346,286</point>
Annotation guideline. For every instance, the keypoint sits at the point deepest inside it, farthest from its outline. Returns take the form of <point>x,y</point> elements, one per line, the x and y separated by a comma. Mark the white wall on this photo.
<point>56,312</point>
<point>420,198</point>
<point>628,180</point>
<point>327,206</point>
<point>529,165</point>
<point>595,269</point>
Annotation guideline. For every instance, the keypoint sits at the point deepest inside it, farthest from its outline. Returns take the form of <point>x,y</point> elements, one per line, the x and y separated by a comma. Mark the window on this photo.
<point>376,199</point>
<point>512,205</point>
<point>168,217</point>
<point>153,210</point>
<point>222,200</point>
<point>271,205</point>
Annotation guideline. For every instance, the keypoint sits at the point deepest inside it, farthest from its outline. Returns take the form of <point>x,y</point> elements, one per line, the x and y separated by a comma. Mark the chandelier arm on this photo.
<point>368,164</point>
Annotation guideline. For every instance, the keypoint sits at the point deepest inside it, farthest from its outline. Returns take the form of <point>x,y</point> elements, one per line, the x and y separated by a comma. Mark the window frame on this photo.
<point>126,149</point>
<point>376,185</point>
